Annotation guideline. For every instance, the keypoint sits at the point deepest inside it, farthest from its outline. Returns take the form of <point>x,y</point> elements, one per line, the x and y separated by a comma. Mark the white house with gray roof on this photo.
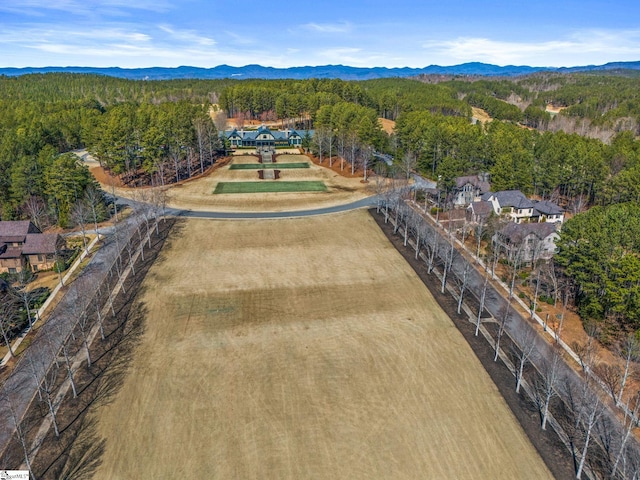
<point>515,205</point>
<point>511,203</point>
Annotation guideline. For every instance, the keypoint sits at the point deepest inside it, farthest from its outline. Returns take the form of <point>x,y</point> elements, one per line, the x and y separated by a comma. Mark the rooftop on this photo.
<point>517,232</point>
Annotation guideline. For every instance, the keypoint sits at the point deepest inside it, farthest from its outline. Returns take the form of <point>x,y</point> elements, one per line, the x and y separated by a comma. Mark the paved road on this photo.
<point>364,203</point>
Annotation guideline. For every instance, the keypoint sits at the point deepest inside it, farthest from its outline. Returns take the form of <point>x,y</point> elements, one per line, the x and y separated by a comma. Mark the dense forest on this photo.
<point>583,152</point>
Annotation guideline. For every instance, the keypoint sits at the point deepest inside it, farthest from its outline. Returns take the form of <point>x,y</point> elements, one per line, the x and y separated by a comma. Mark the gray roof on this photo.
<point>545,207</point>
<point>481,208</point>
<point>10,252</point>
<point>277,134</point>
<point>474,180</point>
<point>512,198</point>
<point>17,229</point>
<point>516,232</point>
<point>43,243</point>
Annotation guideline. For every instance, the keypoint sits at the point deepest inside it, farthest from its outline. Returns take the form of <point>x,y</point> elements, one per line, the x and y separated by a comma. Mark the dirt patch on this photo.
<point>339,166</point>
<point>106,179</point>
<point>109,181</point>
<point>553,109</point>
<point>481,115</point>
<point>387,125</point>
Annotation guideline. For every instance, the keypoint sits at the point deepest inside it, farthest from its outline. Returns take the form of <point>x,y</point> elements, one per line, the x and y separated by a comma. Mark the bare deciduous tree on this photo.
<point>80,214</point>
<point>546,385</point>
<point>36,208</point>
<point>587,352</point>
<point>591,413</point>
<point>448,261</point>
<point>220,120</point>
<point>9,404</point>
<point>629,423</point>
<point>8,314</point>
<point>46,376</point>
<point>463,284</point>
<point>93,199</point>
<point>503,316</point>
<point>610,374</point>
<point>629,351</point>
<point>524,346</point>
<point>408,164</point>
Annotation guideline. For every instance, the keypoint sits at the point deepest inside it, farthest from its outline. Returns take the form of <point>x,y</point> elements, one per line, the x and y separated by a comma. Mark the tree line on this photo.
<point>569,402</point>
<point>574,169</point>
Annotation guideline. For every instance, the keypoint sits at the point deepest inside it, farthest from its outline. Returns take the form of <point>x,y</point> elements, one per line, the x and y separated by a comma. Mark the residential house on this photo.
<point>41,250</point>
<point>546,211</point>
<point>512,203</point>
<point>479,212</point>
<point>22,244</point>
<point>518,208</point>
<point>11,259</point>
<point>469,189</point>
<point>265,138</point>
<point>527,242</point>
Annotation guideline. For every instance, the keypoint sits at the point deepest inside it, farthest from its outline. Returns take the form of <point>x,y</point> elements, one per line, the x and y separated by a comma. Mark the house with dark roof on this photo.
<point>546,211</point>
<point>22,244</point>
<point>515,205</point>
<point>479,212</point>
<point>41,250</point>
<point>527,242</point>
<point>512,203</point>
<point>265,138</point>
<point>469,189</point>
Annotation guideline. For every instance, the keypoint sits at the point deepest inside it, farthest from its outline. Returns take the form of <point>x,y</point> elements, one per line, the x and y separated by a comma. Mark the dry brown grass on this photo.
<point>387,125</point>
<point>198,195</point>
<point>303,348</point>
<point>554,109</point>
<point>481,115</point>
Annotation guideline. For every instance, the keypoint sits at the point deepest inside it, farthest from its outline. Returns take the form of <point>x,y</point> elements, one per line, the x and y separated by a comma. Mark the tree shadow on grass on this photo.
<point>86,455</point>
<point>80,448</point>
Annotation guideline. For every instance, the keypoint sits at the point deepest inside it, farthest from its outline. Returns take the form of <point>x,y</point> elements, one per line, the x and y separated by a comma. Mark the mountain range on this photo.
<point>326,71</point>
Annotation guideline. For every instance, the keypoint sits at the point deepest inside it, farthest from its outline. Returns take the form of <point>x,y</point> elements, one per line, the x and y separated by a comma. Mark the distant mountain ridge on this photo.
<point>325,71</point>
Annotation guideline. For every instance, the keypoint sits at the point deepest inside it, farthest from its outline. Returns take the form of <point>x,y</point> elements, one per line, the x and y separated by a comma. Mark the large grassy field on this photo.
<point>302,348</point>
<point>266,186</point>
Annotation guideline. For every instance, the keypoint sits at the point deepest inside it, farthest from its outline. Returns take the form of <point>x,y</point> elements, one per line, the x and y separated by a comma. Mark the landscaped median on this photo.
<point>268,187</point>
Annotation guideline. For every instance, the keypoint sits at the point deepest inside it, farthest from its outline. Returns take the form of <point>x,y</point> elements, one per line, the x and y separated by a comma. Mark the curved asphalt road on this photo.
<point>363,203</point>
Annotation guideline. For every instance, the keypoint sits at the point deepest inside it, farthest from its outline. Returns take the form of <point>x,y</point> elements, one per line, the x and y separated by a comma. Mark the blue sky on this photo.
<point>392,33</point>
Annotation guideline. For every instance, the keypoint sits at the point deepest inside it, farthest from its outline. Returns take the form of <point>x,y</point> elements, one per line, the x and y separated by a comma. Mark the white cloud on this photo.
<point>598,45</point>
<point>79,7</point>
<point>187,36</point>
<point>340,27</point>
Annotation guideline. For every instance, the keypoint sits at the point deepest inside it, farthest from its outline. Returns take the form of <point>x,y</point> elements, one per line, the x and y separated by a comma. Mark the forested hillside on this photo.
<point>582,153</point>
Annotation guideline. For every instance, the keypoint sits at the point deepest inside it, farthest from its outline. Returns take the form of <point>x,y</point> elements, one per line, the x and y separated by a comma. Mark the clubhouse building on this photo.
<point>265,138</point>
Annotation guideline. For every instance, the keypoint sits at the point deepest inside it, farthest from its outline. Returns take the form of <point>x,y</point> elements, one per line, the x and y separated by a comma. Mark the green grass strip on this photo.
<point>269,186</point>
<point>265,166</point>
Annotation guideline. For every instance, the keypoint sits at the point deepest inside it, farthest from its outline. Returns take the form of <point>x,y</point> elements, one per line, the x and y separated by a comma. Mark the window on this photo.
<point>12,270</point>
